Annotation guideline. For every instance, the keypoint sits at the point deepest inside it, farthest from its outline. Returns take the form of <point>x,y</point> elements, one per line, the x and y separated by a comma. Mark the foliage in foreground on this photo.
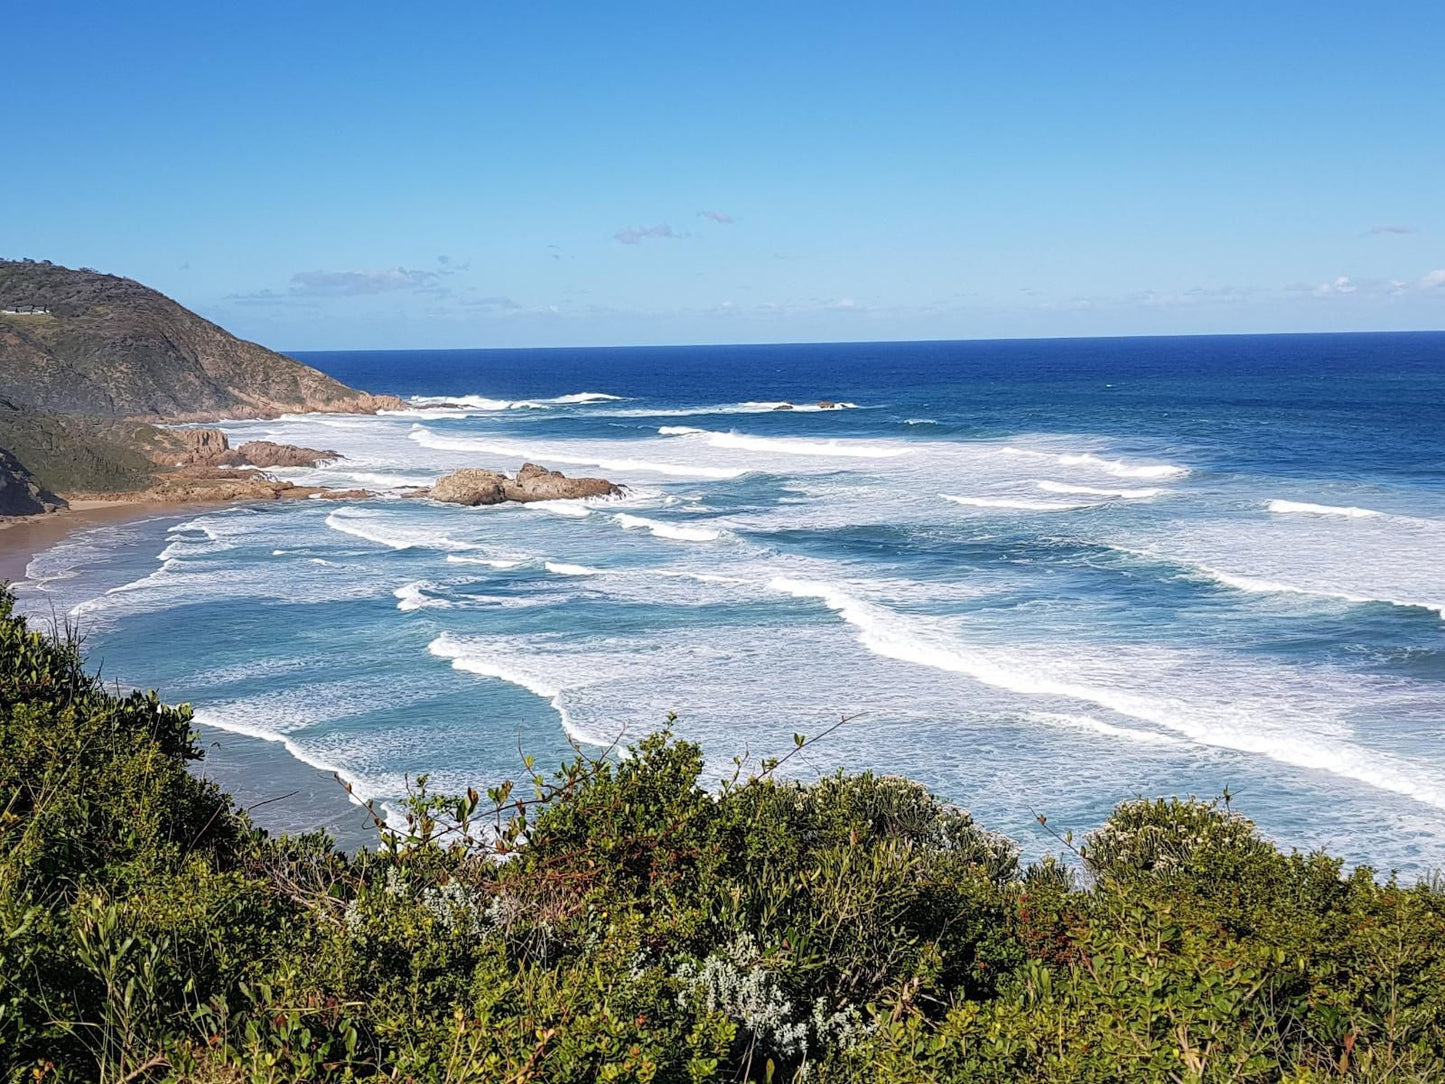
<point>618,921</point>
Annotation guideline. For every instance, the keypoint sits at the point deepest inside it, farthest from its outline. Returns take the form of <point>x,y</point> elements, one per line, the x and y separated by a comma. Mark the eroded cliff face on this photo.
<point>86,343</point>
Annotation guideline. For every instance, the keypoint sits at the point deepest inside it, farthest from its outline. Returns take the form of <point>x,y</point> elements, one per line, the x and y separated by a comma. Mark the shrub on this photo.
<point>618,921</point>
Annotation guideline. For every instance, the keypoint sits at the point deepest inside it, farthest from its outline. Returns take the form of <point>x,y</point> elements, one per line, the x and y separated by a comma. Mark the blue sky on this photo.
<point>530,173</point>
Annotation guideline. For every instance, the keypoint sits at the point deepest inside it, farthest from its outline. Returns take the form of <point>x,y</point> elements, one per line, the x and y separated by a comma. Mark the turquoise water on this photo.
<point>1041,576</point>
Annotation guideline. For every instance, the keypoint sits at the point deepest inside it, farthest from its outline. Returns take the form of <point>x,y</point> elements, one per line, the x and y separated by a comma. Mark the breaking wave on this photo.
<point>891,635</point>
<point>667,530</point>
<point>563,569</point>
<point>1302,507</point>
<point>381,529</point>
<point>1019,503</point>
<point>797,445</point>
<point>1127,494</point>
<point>473,658</point>
<point>428,439</point>
<point>1117,467</point>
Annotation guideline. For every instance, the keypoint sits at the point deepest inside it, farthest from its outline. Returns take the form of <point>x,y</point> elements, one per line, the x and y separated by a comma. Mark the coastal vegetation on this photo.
<point>624,918</point>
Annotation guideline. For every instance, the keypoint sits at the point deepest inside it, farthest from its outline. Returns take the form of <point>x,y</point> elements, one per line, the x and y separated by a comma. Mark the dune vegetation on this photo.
<point>624,919</point>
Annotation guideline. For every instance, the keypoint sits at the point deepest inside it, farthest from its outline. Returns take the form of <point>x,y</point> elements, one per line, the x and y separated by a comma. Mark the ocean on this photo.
<point>1039,576</point>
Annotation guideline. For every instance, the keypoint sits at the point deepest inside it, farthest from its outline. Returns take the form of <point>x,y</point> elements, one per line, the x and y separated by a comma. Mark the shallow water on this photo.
<point>1044,576</point>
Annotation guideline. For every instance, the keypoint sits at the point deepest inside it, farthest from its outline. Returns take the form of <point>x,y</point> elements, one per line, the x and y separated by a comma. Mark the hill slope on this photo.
<point>108,346</point>
<point>87,359</point>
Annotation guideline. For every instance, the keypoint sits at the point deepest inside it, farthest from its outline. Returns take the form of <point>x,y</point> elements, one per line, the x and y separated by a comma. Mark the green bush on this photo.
<point>620,921</point>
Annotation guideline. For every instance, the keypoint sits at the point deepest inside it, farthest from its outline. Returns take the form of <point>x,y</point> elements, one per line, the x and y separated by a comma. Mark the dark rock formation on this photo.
<point>783,406</point>
<point>827,404</point>
<point>472,486</point>
<point>20,494</point>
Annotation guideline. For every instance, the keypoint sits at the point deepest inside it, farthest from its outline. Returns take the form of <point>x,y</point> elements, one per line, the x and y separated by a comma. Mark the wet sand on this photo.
<point>280,793</point>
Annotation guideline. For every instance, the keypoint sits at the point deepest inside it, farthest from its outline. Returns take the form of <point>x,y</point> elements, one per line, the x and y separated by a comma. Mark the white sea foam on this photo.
<point>570,509</point>
<point>390,481</point>
<point>1019,503</point>
<point>563,569</point>
<point>1120,469</point>
<point>667,530</point>
<point>792,445</point>
<point>1264,585</point>
<point>428,439</point>
<point>413,596</point>
<point>383,530</point>
<point>475,402</point>
<point>1255,585</point>
<point>912,641</point>
<point>1302,507</point>
<point>487,403</point>
<point>580,397</point>
<point>1127,494</point>
<point>493,562</point>
<point>1117,467</point>
<point>749,407</point>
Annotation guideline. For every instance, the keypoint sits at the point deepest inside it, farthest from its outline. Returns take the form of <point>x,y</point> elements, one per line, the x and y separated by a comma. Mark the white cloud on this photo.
<point>1341,285</point>
<point>1434,280</point>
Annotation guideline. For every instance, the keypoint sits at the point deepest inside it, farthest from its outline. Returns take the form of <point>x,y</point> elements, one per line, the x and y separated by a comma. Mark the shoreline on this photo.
<point>279,792</point>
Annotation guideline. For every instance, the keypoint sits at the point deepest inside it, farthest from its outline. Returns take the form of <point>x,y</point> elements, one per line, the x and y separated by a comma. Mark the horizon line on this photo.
<point>873,342</point>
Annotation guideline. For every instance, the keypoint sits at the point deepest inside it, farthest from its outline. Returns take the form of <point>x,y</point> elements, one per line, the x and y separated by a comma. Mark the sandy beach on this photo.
<point>280,792</point>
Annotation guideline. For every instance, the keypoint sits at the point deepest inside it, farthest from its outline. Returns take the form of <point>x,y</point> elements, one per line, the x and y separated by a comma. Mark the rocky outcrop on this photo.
<point>828,404</point>
<point>200,446</point>
<point>219,485</point>
<point>263,453</point>
<point>783,406</point>
<point>473,486</point>
<point>20,494</point>
<point>534,483</point>
<point>210,448</point>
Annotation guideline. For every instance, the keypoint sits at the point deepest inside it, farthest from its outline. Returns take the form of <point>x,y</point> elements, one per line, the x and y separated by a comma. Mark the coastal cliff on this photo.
<point>89,361</point>
<point>82,342</point>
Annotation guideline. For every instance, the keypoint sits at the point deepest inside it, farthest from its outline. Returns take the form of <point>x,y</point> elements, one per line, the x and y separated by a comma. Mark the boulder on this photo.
<point>534,483</point>
<point>471,487</point>
<point>783,406</point>
<point>265,453</point>
<point>827,404</point>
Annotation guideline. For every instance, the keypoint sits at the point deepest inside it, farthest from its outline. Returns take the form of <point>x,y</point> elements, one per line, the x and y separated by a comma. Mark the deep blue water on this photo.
<point>1046,575</point>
